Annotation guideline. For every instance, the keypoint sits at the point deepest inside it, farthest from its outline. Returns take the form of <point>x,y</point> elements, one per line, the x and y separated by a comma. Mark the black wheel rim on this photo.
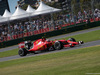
<point>57,45</point>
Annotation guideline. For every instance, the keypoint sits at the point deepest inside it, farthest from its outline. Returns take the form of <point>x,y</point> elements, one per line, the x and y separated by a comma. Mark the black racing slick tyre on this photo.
<point>58,45</point>
<point>72,39</point>
<point>22,52</point>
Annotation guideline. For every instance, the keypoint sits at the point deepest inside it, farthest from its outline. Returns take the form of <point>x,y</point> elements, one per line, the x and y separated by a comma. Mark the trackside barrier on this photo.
<point>65,30</point>
<point>41,31</point>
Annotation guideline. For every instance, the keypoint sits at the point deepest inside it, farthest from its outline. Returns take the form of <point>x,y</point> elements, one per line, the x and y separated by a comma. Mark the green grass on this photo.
<point>86,37</point>
<point>73,62</point>
<point>9,53</point>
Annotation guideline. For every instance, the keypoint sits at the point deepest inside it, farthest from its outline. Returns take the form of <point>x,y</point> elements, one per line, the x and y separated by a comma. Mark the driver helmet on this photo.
<point>43,39</point>
<point>26,42</point>
<point>48,40</point>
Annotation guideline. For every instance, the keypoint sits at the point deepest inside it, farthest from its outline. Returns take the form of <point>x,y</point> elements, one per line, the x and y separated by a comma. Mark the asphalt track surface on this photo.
<point>88,44</point>
<point>57,37</point>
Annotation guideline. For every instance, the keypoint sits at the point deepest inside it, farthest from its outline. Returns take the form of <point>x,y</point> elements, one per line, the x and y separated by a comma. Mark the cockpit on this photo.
<point>28,44</point>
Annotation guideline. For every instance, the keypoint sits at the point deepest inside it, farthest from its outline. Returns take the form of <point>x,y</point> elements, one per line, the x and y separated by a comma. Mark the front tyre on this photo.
<point>22,52</point>
<point>58,45</point>
<point>72,39</point>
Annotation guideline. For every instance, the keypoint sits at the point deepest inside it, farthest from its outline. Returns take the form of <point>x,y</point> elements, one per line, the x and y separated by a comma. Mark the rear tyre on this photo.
<point>72,39</point>
<point>22,52</point>
<point>58,45</point>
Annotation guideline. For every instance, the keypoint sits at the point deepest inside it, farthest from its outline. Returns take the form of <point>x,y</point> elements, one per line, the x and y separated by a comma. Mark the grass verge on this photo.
<point>86,37</point>
<point>9,53</point>
<point>73,62</point>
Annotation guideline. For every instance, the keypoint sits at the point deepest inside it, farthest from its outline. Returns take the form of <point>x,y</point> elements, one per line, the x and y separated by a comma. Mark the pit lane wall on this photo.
<point>64,30</point>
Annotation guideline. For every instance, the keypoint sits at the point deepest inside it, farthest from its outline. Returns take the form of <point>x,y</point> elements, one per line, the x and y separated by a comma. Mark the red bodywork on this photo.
<point>66,43</point>
<point>41,44</point>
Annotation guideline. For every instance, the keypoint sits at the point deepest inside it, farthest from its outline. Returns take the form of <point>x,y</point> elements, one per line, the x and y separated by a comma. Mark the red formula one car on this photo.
<point>45,45</point>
